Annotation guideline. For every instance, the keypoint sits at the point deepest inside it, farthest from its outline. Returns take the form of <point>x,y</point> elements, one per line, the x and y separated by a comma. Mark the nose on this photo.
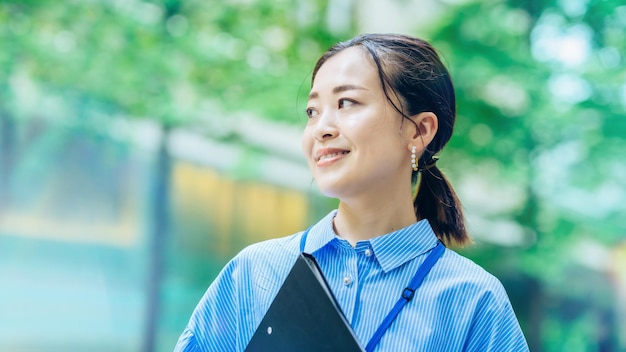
<point>325,128</point>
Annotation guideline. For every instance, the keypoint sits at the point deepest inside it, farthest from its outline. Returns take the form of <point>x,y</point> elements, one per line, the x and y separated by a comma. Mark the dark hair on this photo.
<point>410,69</point>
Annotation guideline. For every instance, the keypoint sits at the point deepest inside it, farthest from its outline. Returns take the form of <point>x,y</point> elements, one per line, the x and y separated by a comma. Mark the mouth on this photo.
<point>326,154</point>
<point>330,155</point>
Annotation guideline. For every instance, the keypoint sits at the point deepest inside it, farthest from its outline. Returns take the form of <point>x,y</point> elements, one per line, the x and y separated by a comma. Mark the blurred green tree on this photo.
<point>540,131</point>
<point>172,62</point>
<point>538,150</point>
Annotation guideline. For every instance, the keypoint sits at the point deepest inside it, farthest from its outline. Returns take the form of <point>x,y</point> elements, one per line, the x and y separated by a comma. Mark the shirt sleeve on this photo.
<point>234,304</point>
<point>186,342</point>
<point>495,327</point>
<point>213,324</point>
<point>236,301</point>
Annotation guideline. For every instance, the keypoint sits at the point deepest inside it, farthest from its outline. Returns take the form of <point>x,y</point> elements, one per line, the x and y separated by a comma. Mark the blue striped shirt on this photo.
<point>458,307</point>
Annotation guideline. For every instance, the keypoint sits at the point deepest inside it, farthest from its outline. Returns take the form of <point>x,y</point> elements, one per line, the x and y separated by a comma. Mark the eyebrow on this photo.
<point>339,89</point>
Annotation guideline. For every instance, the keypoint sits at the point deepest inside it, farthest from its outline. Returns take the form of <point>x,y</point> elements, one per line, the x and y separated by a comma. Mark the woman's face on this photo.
<point>355,141</point>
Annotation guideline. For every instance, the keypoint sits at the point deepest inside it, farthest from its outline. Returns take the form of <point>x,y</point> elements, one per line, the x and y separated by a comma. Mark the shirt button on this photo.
<point>347,281</point>
<point>368,252</point>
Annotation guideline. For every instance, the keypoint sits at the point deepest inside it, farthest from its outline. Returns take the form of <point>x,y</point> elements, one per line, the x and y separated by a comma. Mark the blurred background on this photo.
<point>144,143</point>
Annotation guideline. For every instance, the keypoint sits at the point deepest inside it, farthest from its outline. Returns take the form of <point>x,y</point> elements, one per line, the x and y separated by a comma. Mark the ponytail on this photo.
<point>437,202</point>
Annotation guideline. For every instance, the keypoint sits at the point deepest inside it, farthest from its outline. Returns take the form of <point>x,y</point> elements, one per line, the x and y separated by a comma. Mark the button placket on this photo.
<point>347,280</point>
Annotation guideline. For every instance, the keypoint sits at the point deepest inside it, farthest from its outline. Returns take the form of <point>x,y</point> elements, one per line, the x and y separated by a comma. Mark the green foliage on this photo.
<point>540,123</point>
<point>169,60</point>
<point>541,103</point>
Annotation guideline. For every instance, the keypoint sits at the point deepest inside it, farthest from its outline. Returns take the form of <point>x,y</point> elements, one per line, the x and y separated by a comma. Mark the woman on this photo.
<point>380,109</point>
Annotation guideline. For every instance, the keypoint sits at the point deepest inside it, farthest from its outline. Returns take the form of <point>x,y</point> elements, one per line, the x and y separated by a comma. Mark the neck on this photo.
<point>366,219</point>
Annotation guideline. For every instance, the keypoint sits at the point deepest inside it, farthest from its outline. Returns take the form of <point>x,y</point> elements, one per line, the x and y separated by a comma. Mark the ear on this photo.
<point>423,130</point>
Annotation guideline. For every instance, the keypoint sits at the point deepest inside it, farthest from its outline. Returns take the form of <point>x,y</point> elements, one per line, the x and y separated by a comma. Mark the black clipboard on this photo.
<point>304,316</point>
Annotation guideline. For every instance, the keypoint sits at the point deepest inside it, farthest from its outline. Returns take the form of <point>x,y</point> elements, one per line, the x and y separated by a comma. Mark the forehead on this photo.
<point>352,66</point>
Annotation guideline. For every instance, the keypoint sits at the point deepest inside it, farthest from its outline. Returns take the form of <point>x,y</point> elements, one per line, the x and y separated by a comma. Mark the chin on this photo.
<point>333,185</point>
<point>331,190</point>
<point>330,194</point>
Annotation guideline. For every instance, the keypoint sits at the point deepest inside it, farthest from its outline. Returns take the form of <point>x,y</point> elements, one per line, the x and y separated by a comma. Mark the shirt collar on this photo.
<point>391,250</point>
<point>321,233</point>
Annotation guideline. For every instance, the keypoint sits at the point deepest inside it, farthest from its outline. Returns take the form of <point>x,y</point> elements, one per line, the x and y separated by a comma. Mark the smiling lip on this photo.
<point>327,156</point>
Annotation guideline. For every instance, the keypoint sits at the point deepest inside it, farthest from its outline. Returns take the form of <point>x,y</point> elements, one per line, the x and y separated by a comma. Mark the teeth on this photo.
<point>332,155</point>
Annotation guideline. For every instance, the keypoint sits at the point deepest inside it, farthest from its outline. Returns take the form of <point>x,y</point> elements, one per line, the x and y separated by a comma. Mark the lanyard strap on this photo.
<point>303,239</point>
<point>407,293</point>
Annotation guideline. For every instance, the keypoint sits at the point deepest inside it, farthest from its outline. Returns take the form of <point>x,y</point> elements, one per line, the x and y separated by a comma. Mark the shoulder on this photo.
<point>260,267</point>
<point>261,264</point>
<point>482,303</point>
<point>468,278</point>
<point>272,252</point>
<point>240,295</point>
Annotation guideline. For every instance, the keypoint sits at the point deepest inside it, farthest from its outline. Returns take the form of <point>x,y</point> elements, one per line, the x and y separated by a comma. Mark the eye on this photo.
<point>345,103</point>
<point>311,112</point>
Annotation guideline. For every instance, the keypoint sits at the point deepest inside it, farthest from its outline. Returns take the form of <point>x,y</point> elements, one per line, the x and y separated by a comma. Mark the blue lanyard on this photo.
<point>407,293</point>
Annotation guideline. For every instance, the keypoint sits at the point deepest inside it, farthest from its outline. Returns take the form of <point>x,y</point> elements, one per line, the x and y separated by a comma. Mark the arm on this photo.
<point>187,342</point>
<point>494,326</point>
<point>234,304</point>
<point>213,325</point>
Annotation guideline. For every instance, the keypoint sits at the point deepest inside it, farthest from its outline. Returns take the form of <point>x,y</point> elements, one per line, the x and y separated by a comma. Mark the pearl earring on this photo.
<point>413,158</point>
